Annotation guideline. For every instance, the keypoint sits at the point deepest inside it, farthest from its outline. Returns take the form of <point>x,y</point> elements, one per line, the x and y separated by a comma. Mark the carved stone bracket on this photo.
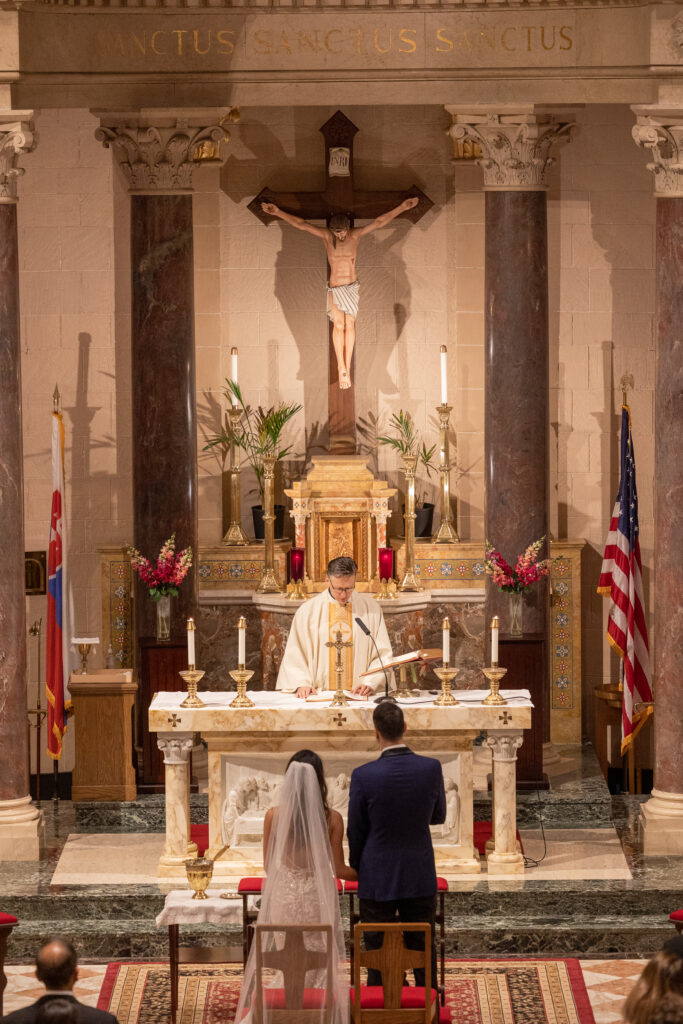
<point>158,152</point>
<point>504,745</point>
<point>176,747</point>
<point>515,143</point>
<point>661,131</point>
<point>16,136</point>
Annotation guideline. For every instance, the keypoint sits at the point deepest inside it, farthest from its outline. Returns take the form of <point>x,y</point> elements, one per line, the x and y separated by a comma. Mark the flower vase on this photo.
<point>515,608</point>
<point>163,630</point>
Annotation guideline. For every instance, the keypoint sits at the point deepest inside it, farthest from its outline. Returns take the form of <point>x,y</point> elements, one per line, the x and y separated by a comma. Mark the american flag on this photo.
<point>621,581</point>
<point>57,658</point>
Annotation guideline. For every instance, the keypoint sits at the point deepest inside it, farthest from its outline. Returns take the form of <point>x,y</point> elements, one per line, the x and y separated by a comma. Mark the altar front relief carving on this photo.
<point>250,785</point>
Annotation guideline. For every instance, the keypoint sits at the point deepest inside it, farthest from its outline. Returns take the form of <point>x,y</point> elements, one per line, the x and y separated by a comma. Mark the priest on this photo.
<point>308,664</point>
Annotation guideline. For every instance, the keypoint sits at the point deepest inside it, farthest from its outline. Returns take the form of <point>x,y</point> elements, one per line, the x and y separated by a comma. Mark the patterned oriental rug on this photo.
<point>477,992</point>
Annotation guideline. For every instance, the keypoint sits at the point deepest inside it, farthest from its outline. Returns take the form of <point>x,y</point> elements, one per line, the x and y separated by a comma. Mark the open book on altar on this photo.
<point>424,654</point>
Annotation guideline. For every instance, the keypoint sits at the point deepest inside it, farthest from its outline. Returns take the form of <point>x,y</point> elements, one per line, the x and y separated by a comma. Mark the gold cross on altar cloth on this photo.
<point>339,643</point>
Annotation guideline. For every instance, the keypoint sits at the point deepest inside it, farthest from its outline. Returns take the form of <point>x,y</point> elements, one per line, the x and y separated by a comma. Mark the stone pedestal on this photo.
<point>661,132</point>
<point>21,824</point>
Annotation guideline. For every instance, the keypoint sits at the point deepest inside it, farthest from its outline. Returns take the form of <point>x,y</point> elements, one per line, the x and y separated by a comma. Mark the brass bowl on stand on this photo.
<point>199,872</point>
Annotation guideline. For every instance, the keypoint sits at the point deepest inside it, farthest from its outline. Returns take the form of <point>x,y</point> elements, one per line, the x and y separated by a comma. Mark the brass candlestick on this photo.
<point>446,674</point>
<point>339,700</point>
<point>494,674</point>
<point>402,690</point>
<point>269,581</point>
<point>384,593</point>
<point>191,676</point>
<point>242,675</point>
<point>446,533</point>
<point>235,534</point>
<point>409,581</point>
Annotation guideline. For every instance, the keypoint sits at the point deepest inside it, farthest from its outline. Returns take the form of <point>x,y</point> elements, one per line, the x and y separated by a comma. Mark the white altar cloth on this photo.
<point>181,908</point>
<point>274,699</point>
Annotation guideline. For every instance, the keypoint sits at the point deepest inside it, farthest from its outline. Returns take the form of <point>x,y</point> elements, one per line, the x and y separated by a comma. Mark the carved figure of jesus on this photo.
<point>341,245</point>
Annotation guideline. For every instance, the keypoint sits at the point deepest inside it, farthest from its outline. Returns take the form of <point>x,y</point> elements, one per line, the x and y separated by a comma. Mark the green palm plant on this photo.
<point>406,440</point>
<point>257,433</point>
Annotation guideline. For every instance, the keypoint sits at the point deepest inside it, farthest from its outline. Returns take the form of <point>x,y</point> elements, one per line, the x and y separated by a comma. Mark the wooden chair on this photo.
<point>351,890</point>
<point>253,886</point>
<point>393,1002</point>
<point>294,1003</point>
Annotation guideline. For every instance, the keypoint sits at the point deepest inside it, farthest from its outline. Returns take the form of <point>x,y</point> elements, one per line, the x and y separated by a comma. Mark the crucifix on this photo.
<point>339,699</point>
<point>339,204</point>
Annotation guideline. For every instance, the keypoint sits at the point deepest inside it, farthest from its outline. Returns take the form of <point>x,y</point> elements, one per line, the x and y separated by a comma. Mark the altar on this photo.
<point>248,750</point>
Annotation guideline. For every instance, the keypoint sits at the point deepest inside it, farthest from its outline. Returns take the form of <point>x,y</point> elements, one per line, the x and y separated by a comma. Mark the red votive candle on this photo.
<point>296,564</point>
<point>386,563</point>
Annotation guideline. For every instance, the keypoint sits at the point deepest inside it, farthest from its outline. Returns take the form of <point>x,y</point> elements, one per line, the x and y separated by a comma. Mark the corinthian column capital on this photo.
<point>16,136</point>
<point>158,151</point>
<point>515,142</point>
<point>661,131</point>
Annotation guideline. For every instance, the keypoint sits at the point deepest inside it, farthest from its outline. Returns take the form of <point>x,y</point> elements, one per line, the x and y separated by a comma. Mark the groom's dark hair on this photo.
<point>388,720</point>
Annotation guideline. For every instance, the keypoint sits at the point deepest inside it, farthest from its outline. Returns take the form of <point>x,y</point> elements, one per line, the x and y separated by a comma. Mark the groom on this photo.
<point>392,803</point>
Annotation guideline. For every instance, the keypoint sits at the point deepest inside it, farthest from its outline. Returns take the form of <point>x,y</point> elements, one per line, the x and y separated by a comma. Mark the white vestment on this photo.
<point>306,660</point>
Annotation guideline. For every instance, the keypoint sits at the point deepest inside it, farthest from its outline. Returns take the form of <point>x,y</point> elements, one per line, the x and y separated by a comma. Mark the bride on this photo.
<point>302,855</point>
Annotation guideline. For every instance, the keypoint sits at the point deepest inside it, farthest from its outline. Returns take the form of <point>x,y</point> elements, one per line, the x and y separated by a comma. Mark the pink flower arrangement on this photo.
<point>166,576</point>
<point>527,571</point>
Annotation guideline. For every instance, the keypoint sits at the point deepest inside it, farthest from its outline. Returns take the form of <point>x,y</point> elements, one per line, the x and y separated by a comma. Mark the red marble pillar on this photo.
<point>157,152</point>
<point>21,823</point>
<point>164,421</point>
<point>13,752</point>
<point>516,426</point>
<point>660,131</point>
<point>668,475</point>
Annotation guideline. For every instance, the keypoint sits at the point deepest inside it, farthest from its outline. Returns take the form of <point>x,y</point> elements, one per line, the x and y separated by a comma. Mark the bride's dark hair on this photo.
<point>310,757</point>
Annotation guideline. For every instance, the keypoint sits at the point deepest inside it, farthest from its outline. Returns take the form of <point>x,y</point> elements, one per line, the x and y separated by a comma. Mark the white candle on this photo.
<point>446,645</point>
<point>242,641</point>
<point>444,377</point>
<point>233,371</point>
<point>494,640</point>
<point>190,642</point>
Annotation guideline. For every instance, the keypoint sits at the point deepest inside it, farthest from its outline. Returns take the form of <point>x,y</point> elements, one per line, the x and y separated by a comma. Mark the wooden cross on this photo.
<point>340,196</point>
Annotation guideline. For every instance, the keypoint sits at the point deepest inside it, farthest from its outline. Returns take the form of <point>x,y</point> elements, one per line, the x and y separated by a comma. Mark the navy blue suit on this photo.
<point>392,803</point>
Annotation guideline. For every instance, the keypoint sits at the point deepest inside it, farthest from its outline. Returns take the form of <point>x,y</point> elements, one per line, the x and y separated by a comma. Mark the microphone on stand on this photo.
<point>385,695</point>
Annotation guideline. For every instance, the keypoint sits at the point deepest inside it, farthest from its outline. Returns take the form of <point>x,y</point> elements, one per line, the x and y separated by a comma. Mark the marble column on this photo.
<point>156,152</point>
<point>21,823</point>
<point>660,131</point>
<point>504,857</point>
<point>176,749</point>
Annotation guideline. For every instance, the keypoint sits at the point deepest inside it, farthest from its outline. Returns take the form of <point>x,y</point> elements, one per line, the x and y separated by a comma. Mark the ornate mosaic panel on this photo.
<point>117,617</point>
<point>226,571</point>
<point>562,672</point>
<point>471,570</point>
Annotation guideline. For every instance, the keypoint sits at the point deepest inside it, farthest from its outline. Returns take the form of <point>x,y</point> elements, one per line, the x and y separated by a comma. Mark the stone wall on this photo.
<point>263,290</point>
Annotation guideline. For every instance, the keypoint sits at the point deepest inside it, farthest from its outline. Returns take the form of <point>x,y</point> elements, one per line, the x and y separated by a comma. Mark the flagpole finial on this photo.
<point>626,382</point>
<point>56,399</point>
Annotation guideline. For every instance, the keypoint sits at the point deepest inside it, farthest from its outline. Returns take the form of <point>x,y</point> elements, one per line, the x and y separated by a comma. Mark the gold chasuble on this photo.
<point>341,618</point>
<point>308,662</point>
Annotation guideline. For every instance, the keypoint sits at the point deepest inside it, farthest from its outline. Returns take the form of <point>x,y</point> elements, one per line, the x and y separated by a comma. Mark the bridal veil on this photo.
<point>301,964</point>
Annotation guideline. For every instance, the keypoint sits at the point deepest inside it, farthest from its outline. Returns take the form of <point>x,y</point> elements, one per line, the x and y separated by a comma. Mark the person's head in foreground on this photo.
<point>389,723</point>
<point>659,990</point>
<point>57,965</point>
<point>341,578</point>
<point>310,757</point>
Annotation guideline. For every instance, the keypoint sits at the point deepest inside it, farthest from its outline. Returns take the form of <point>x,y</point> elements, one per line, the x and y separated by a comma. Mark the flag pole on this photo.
<point>56,408</point>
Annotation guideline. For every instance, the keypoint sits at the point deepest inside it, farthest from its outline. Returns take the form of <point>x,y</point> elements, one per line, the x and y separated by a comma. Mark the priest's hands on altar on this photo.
<point>360,690</point>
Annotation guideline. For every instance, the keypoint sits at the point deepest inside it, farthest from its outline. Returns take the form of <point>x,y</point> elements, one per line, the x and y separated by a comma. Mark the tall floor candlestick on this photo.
<point>269,582</point>
<point>235,534</point>
<point>446,533</point>
<point>409,581</point>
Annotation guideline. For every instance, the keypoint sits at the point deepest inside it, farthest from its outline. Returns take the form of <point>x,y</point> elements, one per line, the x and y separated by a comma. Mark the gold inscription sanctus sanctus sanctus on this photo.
<point>206,45</point>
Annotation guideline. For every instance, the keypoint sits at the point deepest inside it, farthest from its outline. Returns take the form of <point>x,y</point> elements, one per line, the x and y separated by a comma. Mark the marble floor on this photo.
<point>594,894</point>
<point>608,982</point>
